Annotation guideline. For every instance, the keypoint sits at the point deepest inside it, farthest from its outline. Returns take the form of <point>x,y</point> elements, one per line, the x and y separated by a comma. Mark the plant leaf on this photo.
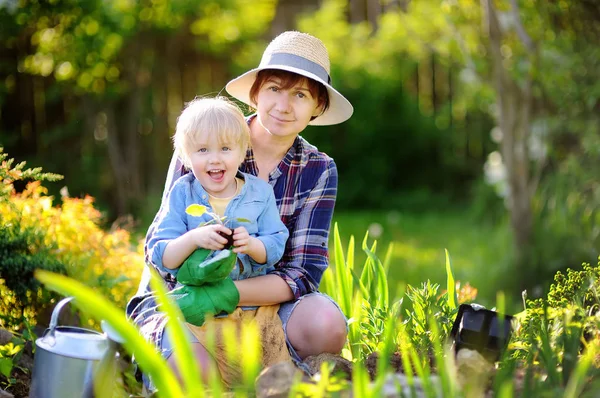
<point>451,285</point>
<point>195,210</point>
<point>6,365</point>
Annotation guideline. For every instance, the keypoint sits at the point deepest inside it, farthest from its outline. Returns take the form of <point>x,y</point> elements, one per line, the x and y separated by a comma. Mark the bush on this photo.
<point>70,235</point>
<point>22,251</point>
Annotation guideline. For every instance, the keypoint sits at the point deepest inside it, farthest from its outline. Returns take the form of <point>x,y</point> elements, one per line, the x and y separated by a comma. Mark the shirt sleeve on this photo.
<point>271,231</point>
<point>306,255</point>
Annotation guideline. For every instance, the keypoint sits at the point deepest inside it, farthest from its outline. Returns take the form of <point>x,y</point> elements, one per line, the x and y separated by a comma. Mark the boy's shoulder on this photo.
<point>183,186</point>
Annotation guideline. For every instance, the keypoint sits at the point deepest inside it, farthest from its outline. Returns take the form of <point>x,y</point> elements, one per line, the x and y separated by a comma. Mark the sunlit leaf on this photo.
<point>196,210</point>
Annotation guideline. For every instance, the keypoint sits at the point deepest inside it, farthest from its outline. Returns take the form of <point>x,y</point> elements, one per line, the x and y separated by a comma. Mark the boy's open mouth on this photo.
<point>216,175</point>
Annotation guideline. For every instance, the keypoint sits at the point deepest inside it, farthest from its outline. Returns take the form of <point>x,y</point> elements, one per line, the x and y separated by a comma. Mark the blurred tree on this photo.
<point>394,153</point>
<point>121,70</point>
<point>535,55</point>
<point>533,66</point>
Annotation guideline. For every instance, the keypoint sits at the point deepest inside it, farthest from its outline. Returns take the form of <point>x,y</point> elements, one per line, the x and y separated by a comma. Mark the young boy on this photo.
<point>211,139</point>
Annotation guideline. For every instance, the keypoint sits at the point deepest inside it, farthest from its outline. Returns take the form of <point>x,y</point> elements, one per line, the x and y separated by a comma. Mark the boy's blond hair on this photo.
<point>209,116</point>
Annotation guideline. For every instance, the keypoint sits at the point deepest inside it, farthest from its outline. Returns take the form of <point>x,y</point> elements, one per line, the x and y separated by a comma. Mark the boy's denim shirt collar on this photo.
<point>201,192</point>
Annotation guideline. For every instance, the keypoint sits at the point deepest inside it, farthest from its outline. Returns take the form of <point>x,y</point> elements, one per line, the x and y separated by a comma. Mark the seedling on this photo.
<point>197,210</point>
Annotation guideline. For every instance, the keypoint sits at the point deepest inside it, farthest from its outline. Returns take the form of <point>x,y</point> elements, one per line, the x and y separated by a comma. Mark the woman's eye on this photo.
<point>274,89</point>
<point>301,95</point>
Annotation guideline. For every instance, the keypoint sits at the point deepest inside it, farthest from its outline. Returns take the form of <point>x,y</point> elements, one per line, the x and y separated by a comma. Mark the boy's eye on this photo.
<point>274,89</point>
<point>301,94</point>
<point>225,149</point>
<point>203,150</point>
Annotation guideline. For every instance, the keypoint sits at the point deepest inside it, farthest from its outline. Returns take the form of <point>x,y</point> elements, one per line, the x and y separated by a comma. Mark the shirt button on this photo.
<point>203,196</point>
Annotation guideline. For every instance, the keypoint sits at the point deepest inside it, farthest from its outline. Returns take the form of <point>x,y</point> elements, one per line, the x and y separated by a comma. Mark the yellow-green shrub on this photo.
<point>104,260</point>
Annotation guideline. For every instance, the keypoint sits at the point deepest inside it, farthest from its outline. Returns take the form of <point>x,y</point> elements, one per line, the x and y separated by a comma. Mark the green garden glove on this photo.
<point>196,270</point>
<point>196,302</point>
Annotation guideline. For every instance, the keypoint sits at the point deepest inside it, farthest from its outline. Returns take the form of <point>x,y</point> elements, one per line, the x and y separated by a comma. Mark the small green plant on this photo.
<point>10,174</point>
<point>197,210</point>
<point>11,353</point>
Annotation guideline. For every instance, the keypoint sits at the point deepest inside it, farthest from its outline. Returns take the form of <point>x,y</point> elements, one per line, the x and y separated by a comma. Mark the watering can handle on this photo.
<point>56,312</point>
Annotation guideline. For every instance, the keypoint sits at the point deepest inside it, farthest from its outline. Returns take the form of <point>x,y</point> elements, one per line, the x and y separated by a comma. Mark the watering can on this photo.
<point>67,358</point>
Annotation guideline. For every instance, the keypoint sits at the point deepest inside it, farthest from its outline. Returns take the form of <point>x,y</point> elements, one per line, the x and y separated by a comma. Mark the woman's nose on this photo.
<point>283,102</point>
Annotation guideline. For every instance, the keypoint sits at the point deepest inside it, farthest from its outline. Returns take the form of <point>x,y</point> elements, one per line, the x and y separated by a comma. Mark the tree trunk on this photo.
<point>514,118</point>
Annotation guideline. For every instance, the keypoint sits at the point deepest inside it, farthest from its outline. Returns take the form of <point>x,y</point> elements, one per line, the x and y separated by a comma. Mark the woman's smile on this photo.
<point>281,120</point>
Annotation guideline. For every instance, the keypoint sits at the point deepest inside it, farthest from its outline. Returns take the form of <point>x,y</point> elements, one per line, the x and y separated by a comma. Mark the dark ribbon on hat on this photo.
<point>298,62</point>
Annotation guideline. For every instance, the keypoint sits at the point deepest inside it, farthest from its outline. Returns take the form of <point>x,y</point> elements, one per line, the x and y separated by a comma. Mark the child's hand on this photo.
<point>241,240</point>
<point>208,236</point>
<point>244,243</point>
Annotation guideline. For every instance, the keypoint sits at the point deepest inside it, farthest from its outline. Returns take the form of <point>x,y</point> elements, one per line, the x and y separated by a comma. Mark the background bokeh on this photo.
<point>474,130</point>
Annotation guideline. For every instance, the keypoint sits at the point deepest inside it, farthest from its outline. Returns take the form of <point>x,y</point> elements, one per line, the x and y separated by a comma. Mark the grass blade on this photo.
<point>450,284</point>
<point>190,372</point>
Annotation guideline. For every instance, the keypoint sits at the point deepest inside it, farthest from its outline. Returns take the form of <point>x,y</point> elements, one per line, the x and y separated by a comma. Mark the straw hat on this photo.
<point>305,55</point>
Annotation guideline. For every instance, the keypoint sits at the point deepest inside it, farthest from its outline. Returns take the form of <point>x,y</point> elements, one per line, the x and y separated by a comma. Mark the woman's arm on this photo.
<point>272,232</point>
<point>263,290</point>
<point>305,258</point>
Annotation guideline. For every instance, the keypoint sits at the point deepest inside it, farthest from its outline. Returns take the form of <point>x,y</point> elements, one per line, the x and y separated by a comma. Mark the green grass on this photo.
<point>479,253</point>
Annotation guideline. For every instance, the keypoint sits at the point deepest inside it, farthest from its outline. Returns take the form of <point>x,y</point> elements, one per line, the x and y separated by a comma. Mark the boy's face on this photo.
<point>285,112</point>
<point>215,164</point>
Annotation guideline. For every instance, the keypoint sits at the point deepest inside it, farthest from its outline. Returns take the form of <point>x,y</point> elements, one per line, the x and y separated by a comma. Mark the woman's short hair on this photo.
<point>289,80</point>
<point>205,117</point>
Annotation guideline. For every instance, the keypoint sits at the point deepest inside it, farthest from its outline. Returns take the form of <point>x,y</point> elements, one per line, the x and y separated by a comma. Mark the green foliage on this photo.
<point>552,351</point>
<point>34,234</point>
<point>22,251</point>
<point>427,305</point>
<point>577,286</point>
<point>11,353</point>
<point>558,335</point>
<point>9,174</point>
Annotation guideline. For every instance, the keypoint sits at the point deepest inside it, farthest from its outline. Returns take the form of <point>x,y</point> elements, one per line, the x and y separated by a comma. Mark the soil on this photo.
<point>229,238</point>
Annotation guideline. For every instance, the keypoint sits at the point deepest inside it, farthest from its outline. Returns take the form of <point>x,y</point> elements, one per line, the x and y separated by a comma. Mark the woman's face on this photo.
<point>285,112</point>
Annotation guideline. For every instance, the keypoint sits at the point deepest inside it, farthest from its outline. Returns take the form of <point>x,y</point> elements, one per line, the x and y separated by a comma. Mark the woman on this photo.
<point>290,89</point>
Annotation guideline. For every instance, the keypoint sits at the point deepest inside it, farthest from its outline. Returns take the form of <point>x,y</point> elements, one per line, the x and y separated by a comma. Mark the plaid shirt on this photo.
<point>305,187</point>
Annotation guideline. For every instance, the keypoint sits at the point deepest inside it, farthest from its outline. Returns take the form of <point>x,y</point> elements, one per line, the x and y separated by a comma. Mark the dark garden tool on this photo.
<point>482,330</point>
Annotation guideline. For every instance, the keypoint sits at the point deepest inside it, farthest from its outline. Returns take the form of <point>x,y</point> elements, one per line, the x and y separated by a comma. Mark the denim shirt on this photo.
<point>256,203</point>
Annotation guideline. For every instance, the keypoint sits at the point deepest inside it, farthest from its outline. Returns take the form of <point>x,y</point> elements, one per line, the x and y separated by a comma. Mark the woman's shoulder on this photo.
<point>311,153</point>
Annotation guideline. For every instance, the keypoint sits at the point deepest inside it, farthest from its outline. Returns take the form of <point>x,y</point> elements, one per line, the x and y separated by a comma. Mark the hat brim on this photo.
<point>340,109</point>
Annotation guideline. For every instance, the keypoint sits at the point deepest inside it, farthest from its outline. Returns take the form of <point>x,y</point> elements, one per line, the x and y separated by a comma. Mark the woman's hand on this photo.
<point>208,236</point>
<point>243,243</point>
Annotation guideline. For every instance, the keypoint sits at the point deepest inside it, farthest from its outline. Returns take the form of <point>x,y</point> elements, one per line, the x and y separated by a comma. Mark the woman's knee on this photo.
<point>319,323</point>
